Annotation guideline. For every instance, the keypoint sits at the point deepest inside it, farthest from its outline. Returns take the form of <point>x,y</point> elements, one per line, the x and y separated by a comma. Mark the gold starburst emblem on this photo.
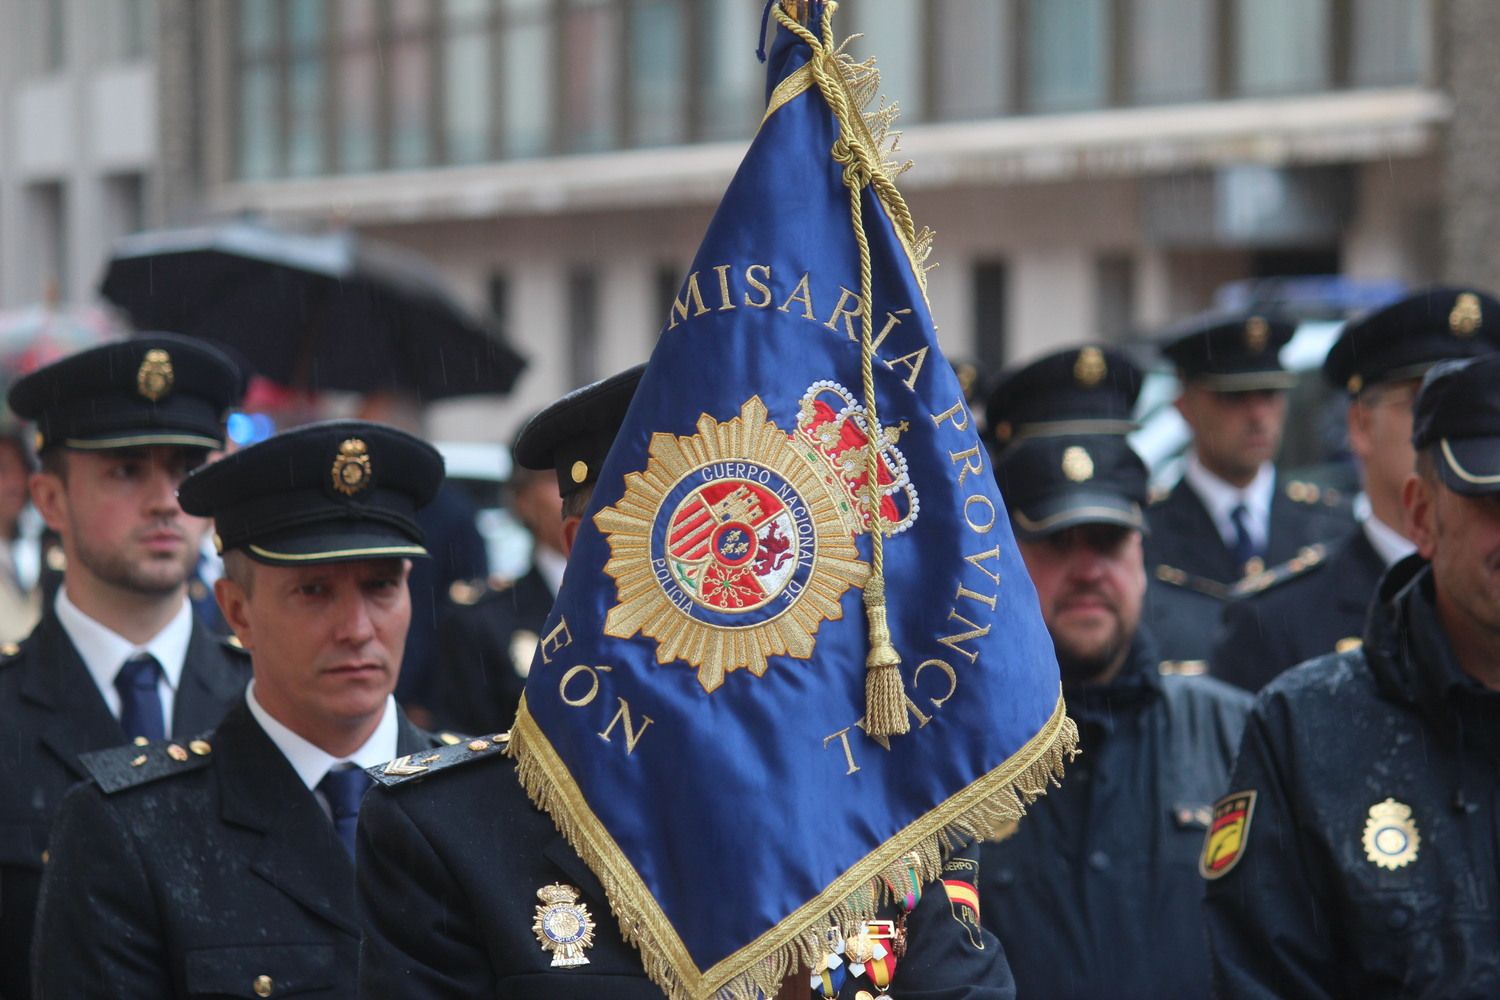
<point>563,925</point>
<point>1090,368</point>
<point>1077,465</point>
<point>351,468</point>
<point>1257,334</point>
<point>1466,316</point>
<point>154,378</point>
<point>729,547</point>
<point>1391,839</point>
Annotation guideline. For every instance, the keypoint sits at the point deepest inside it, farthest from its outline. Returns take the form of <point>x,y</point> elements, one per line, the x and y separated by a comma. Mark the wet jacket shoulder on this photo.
<point>50,713</point>
<point>462,848</point>
<point>199,867</point>
<point>1365,864</point>
<point>1097,893</point>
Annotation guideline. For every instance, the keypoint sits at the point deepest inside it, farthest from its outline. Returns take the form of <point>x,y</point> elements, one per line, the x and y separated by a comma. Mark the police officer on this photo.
<point>1095,894</point>
<point>1355,854</point>
<point>1307,607</point>
<point>452,853</point>
<point>1228,516</point>
<point>489,632</point>
<point>223,865</point>
<point>117,654</point>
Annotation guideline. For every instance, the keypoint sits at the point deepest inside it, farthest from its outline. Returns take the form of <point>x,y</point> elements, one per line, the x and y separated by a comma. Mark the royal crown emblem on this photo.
<point>351,468</point>
<point>832,427</point>
<point>154,378</point>
<point>1077,465</point>
<point>733,545</point>
<point>1466,315</point>
<point>563,925</point>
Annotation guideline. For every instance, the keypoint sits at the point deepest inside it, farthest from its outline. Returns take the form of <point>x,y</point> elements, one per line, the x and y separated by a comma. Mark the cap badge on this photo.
<point>563,925</point>
<point>351,469</point>
<point>1090,368</point>
<point>1257,334</point>
<point>153,379</point>
<point>1077,465</point>
<point>1391,839</point>
<point>1466,316</point>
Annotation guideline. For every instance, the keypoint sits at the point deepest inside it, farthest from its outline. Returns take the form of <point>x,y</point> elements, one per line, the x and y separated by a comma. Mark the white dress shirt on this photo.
<point>104,651</point>
<point>1219,499</point>
<point>1388,543</point>
<point>550,564</point>
<point>312,762</point>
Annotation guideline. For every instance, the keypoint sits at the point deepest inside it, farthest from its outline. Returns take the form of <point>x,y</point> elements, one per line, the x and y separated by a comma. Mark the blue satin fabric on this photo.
<point>734,807</point>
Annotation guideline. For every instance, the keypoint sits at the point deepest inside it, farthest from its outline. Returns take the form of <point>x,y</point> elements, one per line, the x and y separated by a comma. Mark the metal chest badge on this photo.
<point>352,469</point>
<point>154,378</point>
<point>563,925</point>
<point>1391,839</point>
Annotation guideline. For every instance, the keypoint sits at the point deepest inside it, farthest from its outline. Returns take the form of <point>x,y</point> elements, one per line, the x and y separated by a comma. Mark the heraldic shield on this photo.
<point>716,717</point>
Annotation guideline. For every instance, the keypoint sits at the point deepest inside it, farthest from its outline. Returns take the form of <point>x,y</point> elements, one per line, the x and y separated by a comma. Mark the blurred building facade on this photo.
<point>1091,167</point>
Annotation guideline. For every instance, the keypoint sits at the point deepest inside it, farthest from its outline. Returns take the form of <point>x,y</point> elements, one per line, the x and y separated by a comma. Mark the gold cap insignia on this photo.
<point>351,469</point>
<point>1466,316</point>
<point>1391,839</point>
<point>563,925</point>
<point>1355,385</point>
<point>579,472</point>
<point>1257,334</point>
<point>1077,465</point>
<point>154,378</point>
<point>1090,368</point>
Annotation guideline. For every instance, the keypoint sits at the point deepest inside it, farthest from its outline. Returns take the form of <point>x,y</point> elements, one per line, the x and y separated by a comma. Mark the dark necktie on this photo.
<point>1244,547</point>
<point>343,788</point>
<point>140,705</point>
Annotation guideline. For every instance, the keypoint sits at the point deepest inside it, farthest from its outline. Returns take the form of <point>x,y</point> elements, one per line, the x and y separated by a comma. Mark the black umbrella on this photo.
<point>312,311</point>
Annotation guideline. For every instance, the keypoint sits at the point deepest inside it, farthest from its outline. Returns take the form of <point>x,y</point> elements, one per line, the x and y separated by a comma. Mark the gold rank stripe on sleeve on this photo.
<point>1228,834</point>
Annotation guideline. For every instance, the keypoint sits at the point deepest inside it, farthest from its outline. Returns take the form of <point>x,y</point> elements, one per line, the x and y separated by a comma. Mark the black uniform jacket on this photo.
<point>1097,894</point>
<point>479,682</point>
<point>196,878</point>
<point>50,712</point>
<point>1183,536</point>
<point>1183,614</point>
<point>1387,753</point>
<point>1306,615</point>
<point>449,867</point>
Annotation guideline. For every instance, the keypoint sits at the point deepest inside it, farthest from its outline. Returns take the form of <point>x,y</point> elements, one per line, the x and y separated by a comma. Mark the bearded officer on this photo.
<point>453,853</point>
<point>117,655</point>
<point>1318,601</point>
<point>223,865</point>
<point>1355,853</point>
<point>1095,895</point>
<point>1229,516</point>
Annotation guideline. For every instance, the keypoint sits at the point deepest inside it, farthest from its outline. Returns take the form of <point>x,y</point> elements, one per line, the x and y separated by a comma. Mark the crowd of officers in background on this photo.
<point>1237,823</point>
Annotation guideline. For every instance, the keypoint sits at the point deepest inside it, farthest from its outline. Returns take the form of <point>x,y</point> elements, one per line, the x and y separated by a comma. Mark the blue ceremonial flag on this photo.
<point>715,717</point>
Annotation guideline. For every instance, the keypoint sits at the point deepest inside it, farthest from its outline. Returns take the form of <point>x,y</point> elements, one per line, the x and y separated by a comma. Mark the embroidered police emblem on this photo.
<point>1391,839</point>
<point>1224,844</point>
<point>959,878</point>
<point>351,469</point>
<point>1090,368</point>
<point>563,925</point>
<point>733,545</point>
<point>1257,334</point>
<point>1466,315</point>
<point>154,378</point>
<point>1077,465</point>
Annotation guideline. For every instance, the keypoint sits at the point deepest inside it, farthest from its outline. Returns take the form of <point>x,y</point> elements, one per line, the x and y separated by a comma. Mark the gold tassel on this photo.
<point>885,696</point>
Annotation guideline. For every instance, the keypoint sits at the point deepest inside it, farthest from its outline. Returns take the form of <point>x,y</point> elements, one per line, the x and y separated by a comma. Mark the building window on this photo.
<point>1390,42</point>
<point>731,81</point>
<point>1114,295</point>
<point>358,115</point>
<point>528,53</point>
<point>306,32</point>
<point>259,90</point>
<point>590,68</point>
<point>894,34</point>
<point>1067,54</point>
<point>128,30</point>
<point>973,58</point>
<point>47,240</point>
<point>990,280</point>
<point>1171,51</point>
<point>583,325</point>
<point>124,205</point>
<point>467,47</point>
<point>410,52</point>
<point>1282,46</point>
<point>658,45</point>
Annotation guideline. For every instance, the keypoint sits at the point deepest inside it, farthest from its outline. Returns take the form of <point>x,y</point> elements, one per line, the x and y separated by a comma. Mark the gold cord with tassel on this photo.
<point>885,694</point>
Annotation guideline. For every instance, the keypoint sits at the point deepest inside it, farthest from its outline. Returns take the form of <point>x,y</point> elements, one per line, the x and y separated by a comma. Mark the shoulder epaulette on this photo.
<point>428,762</point>
<point>1182,668</point>
<point>1175,577</point>
<point>466,593</point>
<point>140,763</point>
<point>450,739</point>
<point>1308,558</point>
<point>1301,491</point>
